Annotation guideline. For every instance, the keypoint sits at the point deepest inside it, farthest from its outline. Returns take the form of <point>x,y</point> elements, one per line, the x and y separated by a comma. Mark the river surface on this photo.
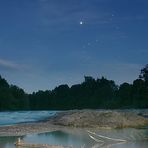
<point>136,138</point>
<point>79,138</point>
<point>10,118</point>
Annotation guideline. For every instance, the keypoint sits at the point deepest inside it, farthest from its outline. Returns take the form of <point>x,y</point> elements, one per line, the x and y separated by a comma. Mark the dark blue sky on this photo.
<point>43,44</point>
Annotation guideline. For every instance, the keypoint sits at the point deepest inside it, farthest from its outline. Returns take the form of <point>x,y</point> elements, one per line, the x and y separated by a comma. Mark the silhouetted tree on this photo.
<point>91,93</point>
<point>144,74</point>
<point>124,95</point>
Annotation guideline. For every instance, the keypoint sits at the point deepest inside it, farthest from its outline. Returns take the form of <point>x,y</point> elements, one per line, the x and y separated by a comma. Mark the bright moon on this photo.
<point>81,23</point>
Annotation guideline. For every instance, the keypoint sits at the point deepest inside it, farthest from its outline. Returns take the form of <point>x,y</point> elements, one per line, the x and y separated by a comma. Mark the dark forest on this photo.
<point>92,93</point>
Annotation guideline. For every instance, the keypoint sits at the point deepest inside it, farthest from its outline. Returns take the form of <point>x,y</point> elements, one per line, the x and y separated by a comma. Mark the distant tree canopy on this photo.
<point>144,74</point>
<point>92,93</point>
<point>12,97</point>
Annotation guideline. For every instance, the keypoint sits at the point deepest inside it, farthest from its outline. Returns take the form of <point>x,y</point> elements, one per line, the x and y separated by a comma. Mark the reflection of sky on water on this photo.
<point>78,138</point>
<point>61,138</point>
<point>9,118</point>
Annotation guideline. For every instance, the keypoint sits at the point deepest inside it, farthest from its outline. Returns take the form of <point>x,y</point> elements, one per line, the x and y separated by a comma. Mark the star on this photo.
<point>81,23</point>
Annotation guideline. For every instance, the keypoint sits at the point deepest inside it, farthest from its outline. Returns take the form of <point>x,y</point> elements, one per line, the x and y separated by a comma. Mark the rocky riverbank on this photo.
<point>27,128</point>
<point>99,119</point>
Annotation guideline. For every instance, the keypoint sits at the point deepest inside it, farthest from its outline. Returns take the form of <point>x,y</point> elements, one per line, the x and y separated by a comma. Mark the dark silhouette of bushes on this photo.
<point>92,93</point>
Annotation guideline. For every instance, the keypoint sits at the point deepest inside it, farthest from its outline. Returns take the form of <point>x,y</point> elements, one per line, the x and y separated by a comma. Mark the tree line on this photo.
<point>99,93</point>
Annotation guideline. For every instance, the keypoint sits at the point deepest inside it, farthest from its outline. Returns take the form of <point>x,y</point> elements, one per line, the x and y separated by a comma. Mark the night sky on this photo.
<point>45,43</point>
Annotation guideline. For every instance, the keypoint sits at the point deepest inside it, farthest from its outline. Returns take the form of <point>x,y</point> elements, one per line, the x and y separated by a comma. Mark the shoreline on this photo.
<point>80,119</point>
<point>27,128</point>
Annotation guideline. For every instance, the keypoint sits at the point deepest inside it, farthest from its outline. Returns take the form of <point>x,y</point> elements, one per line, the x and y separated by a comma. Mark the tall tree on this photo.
<point>144,74</point>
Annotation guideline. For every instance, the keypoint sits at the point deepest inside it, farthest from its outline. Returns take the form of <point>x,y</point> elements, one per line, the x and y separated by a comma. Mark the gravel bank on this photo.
<point>99,119</point>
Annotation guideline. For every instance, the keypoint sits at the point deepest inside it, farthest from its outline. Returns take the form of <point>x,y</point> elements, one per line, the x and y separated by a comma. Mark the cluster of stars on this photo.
<point>110,18</point>
<point>88,44</point>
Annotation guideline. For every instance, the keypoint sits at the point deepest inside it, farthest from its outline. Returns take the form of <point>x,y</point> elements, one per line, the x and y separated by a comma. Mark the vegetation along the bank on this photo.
<point>92,93</point>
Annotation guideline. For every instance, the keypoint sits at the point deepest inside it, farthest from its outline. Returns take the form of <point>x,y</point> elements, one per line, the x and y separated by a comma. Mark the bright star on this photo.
<point>81,23</point>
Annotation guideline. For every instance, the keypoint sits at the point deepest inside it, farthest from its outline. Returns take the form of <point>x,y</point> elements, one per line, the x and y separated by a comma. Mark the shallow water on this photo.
<point>136,138</point>
<point>9,118</point>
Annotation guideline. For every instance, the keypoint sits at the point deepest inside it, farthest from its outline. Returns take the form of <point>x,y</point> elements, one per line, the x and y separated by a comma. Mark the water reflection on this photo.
<point>7,142</point>
<point>65,138</point>
<point>136,138</point>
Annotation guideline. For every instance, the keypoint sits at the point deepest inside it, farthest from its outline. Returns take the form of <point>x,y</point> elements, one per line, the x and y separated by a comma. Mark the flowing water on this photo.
<point>9,118</point>
<point>136,138</point>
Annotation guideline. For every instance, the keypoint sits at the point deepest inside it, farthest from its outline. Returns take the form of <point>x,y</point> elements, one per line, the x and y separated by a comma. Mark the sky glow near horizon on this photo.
<point>45,43</point>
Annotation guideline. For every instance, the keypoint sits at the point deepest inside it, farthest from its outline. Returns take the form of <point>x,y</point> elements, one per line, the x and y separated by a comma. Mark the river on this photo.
<point>136,138</point>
